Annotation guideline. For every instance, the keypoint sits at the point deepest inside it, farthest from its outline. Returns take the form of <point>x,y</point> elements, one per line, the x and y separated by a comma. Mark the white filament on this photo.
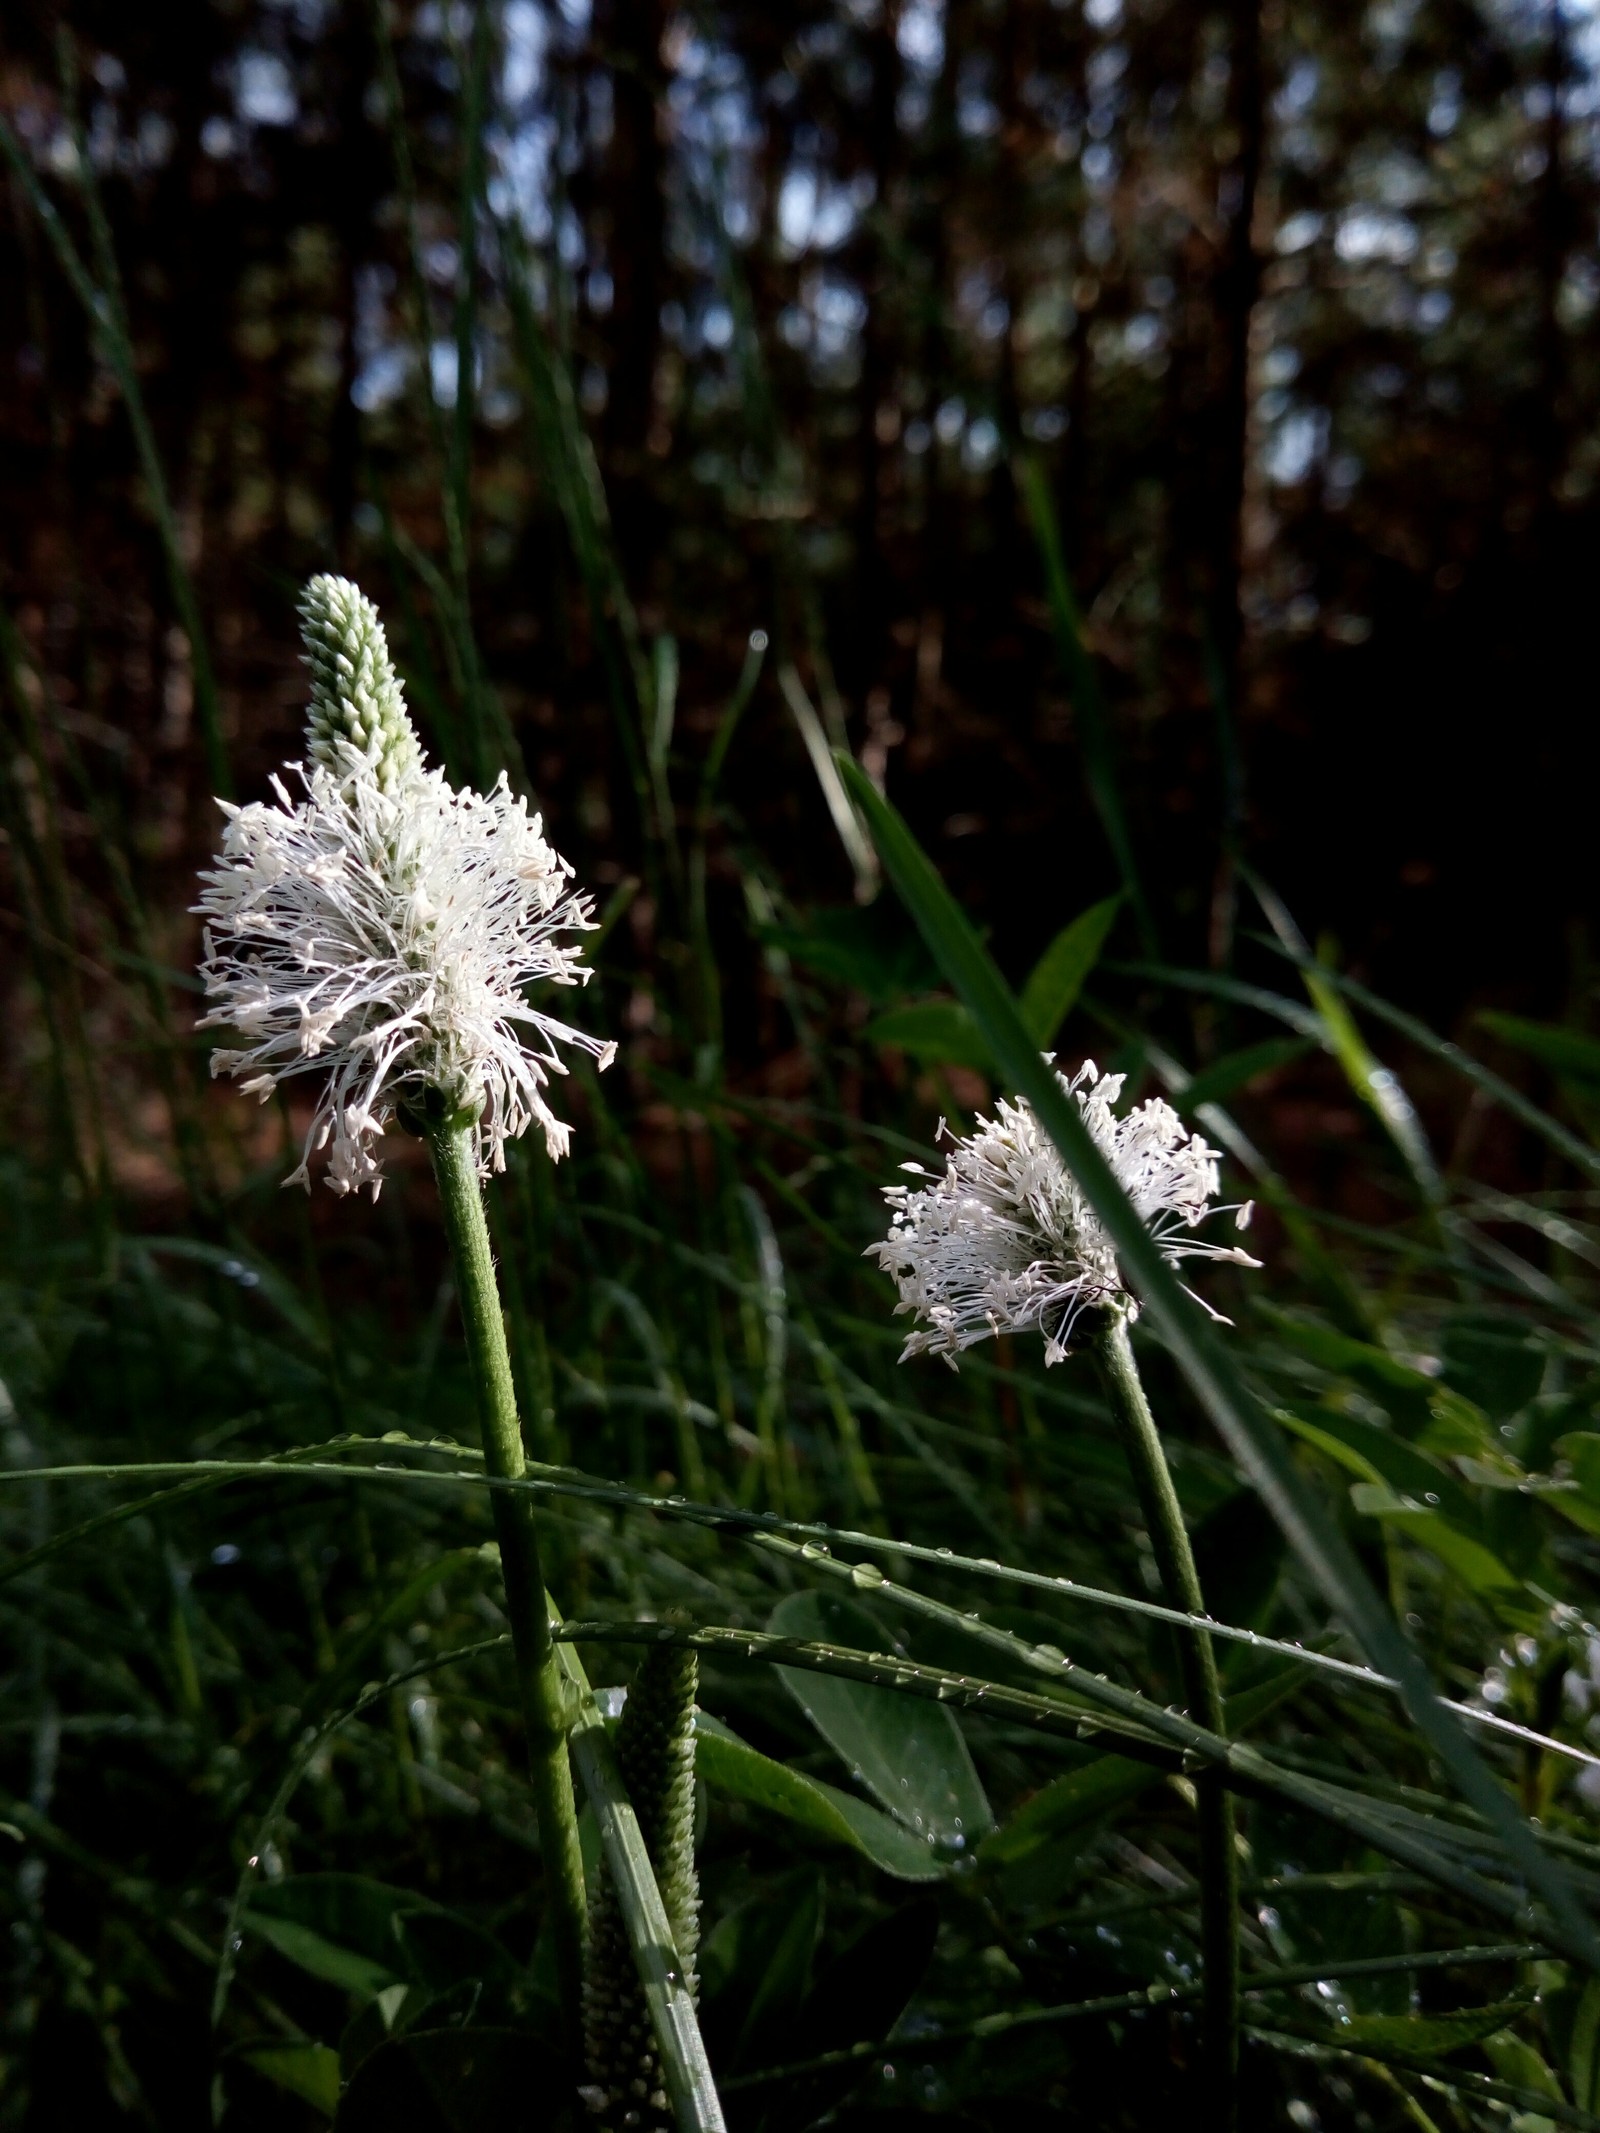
<point>380,933</point>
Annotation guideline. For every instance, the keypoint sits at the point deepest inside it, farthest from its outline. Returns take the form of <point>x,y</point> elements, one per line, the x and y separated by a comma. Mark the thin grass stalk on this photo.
<point>1219,1859</point>
<point>1089,707</point>
<point>540,1679</point>
<point>706,997</point>
<point>1149,1999</point>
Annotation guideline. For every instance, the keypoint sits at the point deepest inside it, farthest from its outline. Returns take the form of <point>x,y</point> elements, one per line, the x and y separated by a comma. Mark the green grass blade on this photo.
<point>1250,1434</point>
<point>1088,704</point>
<point>1061,973</point>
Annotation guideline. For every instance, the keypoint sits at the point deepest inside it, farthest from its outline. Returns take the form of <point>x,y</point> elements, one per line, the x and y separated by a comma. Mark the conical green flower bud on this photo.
<point>355,693</point>
<point>655,1754</point>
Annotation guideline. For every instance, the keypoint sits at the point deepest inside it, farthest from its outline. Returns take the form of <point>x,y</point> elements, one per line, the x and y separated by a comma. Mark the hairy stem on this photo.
<point>540,1678</point>
<point>1219,1864</point>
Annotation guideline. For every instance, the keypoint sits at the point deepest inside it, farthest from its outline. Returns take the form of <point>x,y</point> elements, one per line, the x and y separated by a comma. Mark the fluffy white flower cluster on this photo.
<point>1005,1241</point>
<point>381,930</point>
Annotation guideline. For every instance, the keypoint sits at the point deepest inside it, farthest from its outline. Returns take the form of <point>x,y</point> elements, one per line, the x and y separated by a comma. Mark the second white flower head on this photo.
<point>1005,1240</point>
<point>381,930</point>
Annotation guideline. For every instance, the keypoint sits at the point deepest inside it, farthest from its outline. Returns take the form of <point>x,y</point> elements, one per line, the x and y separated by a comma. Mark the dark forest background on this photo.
<point>1292,308</point>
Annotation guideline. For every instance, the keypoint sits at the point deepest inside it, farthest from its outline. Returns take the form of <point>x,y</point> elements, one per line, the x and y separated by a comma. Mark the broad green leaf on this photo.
<point>1457,1427</point>
<point>1200,1354</point>
<point>1476,1566</point>
<point>1252,1701</point>
<point>1071,1807</point>
<point>1239,1554</point>
<point>1226,1076</point>
<point>740,1772</point>
<point>1431,2035</point>
<point>939,1032</point>
<point>1327,1925</point>
<point>453,2081</point>
<point>309,2071</point>
<point>907,1752</point>
<point>1568,1053</point>
<point>1060,974</point>
<point>1515,2059</point>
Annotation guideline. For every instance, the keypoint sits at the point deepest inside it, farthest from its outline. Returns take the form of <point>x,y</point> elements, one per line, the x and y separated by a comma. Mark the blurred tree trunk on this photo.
<point>1238,284</point>
<point>629,34</point>
<point>873,411</point>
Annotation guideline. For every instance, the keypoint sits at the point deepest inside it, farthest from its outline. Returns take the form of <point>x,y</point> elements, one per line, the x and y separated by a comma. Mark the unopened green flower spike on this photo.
<point>655,1755</point>
<point>356,698</point>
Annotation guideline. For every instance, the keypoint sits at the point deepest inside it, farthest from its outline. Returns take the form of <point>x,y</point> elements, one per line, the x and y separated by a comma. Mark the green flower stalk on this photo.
<point>1004,1240</point>
<point>655,1756</point>
<point>379,934</point>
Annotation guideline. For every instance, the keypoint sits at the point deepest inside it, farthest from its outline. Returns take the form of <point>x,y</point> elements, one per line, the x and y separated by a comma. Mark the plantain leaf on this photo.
<point>1377,1455</point>
<point>739,1772</point>
<point>910,1754</point>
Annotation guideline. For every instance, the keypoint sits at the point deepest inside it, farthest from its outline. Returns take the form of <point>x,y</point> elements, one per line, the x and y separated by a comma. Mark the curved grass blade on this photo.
<point>1249,1433</point>
<point>1089,705</point>
<point>1148,1998</point>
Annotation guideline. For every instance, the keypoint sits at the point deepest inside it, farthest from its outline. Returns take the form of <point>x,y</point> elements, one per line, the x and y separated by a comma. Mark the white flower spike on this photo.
<point>1004,1240</point>
<point>381,930</point>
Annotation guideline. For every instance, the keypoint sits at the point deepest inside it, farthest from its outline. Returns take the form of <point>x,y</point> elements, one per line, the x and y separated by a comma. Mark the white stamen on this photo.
<point>1005,1241</point>
<point>381,931</point>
